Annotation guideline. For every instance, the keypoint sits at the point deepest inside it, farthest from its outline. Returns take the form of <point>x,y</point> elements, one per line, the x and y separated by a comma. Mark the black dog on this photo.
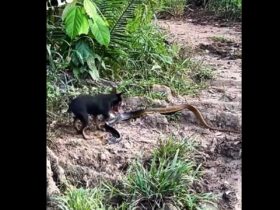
<point>100,104</point>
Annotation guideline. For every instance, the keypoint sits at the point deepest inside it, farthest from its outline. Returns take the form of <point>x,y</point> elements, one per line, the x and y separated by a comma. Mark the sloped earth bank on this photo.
<point>84,162</point>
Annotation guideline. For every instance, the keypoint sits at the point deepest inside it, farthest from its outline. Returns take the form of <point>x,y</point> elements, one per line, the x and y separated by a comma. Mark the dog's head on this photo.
<point>117,103</point>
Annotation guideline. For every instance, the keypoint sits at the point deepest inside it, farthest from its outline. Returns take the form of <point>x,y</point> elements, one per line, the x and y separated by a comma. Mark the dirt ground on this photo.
<point>220,47</point>
<point>86,161</point>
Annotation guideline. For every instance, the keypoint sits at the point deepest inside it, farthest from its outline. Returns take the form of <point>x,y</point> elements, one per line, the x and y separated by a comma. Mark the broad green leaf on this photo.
<point>84,26</point>
<point>93,70</point>
<point>76,22</point>
<point>84,49</point>
<point>79,58</point>
<point>81,52</point>
<point>90,8</point>
<point>100,31</point>
<point>66,10</point>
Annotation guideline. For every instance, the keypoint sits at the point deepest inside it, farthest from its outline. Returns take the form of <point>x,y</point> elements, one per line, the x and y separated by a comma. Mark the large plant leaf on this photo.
<point>93,72</point>
<point>84,48</point>
<point>76,22</point>
<point>66,10</point>
<point>90,8</point>
<point>81,52</point>
<point>77,58</point>
<point>100,31</point>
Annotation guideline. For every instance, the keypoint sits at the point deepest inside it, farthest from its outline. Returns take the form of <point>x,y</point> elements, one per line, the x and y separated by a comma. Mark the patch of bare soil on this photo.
<point>85,162</point>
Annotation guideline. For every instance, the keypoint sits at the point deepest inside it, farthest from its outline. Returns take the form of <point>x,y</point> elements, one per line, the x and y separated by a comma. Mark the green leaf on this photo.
<point>90,8</point>
<point>66,10</point>
<point>78,58</point>
<point>76,22</point>
<point>85,25</point>
<point>84,49</point>
<point>93,70</point>
<point>81,52</point>
<point>100,31</point>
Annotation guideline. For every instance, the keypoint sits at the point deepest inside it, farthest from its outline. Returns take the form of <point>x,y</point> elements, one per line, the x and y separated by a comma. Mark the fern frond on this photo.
<point>118,13</point>
<point>111,10</point>
<point>127,13</point>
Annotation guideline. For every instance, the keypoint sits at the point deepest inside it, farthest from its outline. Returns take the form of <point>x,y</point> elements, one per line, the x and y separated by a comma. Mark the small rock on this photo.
<point>159,103</point>
<point>135,102</point>
<point>163,89</point>
<point>156,120</point>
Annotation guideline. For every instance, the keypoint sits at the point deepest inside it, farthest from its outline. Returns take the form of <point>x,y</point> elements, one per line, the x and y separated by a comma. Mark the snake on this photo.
<point>124,116</point>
